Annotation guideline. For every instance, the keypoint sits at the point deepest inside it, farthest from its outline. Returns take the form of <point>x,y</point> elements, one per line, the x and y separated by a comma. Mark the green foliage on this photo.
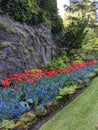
<point>73,35</point>
<point>81,37</point>
<point>90,37</point>
<point>96,72</point>
<point>59,63</point>
<point>84,9</point>
<point>2,25</point>
<point>5,44</point>
<point>90,45</point>
<point>6,125</point>
<point>77,56</point>
<point>49,9</point>
<point>56,64</point>
<point>63,56</point>
<point>33,12</point>
<point>65,91</point>
<point>22,10</point>
<point>52,15</point>
<point>56,24</point>
<point>87,81</point>
<point>15,30</point>
<point>31,49</point>
<point>92,75</point>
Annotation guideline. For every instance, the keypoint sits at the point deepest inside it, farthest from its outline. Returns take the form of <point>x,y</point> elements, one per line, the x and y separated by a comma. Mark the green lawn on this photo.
<point>81,114</point>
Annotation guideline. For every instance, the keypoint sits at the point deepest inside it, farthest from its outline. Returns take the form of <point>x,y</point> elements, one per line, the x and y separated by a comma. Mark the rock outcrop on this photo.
<point>23,47</point>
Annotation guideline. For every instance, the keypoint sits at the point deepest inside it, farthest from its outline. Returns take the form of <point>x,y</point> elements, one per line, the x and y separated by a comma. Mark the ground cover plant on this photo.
<point>35,88</point>
<point>80,114</point>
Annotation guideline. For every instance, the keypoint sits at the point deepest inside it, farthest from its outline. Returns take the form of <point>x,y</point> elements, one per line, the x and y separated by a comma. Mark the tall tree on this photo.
<point>74,34</point>
<point>80,10</point>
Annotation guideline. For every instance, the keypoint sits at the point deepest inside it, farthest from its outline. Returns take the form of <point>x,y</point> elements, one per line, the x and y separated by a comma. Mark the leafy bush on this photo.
<point>60,63</point>
<point>91,49</point>
<point>96,71</point>
<point>73,35</point>
<point>92,75</point>
<point>63,56</point>
<point>22,10</point>
<point>49,9</point>
<point>87,81</point>
<point>67,91</point>
<point>56,24</point>
<point>6,124</point>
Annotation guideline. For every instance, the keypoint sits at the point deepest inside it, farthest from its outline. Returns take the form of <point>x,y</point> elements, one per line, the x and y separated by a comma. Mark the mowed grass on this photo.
<point>80,114</point>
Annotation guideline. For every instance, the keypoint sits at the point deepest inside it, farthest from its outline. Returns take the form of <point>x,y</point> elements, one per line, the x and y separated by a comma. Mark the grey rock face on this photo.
<point>23,47</point>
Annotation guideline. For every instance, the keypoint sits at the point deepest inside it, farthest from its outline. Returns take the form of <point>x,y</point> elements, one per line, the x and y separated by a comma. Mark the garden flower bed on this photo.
<point>39,90</point>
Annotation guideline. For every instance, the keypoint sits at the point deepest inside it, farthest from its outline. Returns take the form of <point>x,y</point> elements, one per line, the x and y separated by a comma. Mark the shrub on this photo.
<point>22,10</point>
<point>67,91</point>
<point>60,63</point>
<point>6,124</point>
<point>63,56</point>
<point>73,35</point>
<point>92,75</point>
<point>96,71</point>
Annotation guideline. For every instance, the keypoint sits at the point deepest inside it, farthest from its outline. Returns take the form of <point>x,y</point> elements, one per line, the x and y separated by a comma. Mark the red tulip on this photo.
<point>15,88</point>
